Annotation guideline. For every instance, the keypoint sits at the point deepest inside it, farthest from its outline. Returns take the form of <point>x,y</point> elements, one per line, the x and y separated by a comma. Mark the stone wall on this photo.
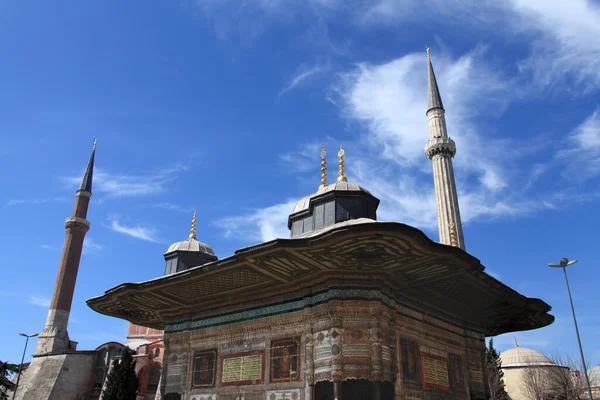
<point>58,377</point>
<point>424,357</point>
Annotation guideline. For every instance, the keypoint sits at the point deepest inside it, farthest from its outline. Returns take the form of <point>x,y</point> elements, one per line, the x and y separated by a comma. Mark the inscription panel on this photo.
<point>435,372</point>
<point>243,369</point>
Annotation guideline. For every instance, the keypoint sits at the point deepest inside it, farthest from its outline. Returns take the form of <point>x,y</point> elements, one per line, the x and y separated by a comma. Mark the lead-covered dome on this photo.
<point>190,244</point>
<point>523,357</point>
<point>331,204</point>
<point>304,203</point>
<point>188,253</point>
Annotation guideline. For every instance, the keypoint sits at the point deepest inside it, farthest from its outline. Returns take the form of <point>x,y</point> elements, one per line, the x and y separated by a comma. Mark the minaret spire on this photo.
<point>54,338</point>
<point>434,100</point>
<point>441,149</point>
<point>86,182</point>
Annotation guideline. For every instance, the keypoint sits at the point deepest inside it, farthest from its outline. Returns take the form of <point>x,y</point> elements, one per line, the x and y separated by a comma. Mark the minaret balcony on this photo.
<point>440,145</point>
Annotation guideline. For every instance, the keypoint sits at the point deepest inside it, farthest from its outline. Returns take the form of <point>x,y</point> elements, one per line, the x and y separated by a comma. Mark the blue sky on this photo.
<point>223,105</point>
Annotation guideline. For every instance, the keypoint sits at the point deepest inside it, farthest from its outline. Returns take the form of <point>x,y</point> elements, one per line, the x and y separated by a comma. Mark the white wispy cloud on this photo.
<point>14,202</point>
<point>113,185</point>
<point>303,74</point>
<point>135,231</point>
<point>582,157</point>
<point>303,159</point>
<point>46,246</point>
<point>260,224</point>
<point>39,301</point>
<point>174,207</point>
<point>563,48</point>
<point>389,101</point>
<point>90,246</point>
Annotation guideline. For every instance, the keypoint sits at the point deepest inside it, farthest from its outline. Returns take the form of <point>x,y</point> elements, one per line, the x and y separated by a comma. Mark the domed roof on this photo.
<point>523,357</point>
<point>191,245</point>
<point>594,375</point>
<point>304,203</point>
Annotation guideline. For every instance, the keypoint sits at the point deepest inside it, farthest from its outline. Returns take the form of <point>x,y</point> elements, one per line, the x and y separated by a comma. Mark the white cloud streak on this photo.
<point>90,246</point>
<point>259,225</point>
<point>130,185</point>
<point>174,207</point>
<point>135,231</point>
<point>39,301</point>
<point>15,202</point>
<point>582,158</point>
<point>303,74</point>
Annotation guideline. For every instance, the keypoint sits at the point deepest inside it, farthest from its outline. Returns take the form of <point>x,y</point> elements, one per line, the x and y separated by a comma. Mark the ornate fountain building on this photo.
<point>346,308</point>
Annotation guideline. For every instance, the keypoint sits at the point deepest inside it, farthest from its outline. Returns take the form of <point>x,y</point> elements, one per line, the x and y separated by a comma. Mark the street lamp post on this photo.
<point>564,263</point>
<point>22,359</point>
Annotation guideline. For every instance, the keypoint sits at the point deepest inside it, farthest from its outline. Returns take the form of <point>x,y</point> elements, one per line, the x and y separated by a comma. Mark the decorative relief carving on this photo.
<point>322,352</point>
<point>285,360</point>
<point>356,350</point>
<point>204,368</point>
<point>292,394</point>
<point>216,283</point>
<point>457,377</point>
<point>410,362</point>
<point>379,251</point>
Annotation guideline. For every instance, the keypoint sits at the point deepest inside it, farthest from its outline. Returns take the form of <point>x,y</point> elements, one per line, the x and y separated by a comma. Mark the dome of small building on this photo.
<point>188,253</point>
<point>594,375</point>
<point>304,203</point>
<point>523,357</point>
<point>191,245</point>
<point>331,204</point>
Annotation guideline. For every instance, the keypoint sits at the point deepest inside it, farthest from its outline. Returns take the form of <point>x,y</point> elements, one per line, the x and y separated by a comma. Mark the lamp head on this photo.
<point>564,263</point>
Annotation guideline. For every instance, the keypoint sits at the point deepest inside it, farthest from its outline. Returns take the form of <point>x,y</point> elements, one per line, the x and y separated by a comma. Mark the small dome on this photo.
<point>594,375</point>
<point>304,203</point>
<point>523,357</point>
<point>191,245</point>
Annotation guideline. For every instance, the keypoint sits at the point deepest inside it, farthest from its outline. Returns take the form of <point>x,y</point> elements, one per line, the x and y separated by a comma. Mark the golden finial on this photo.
<point>428,55</point>
<point>342,177</point>
<point>452,234</point>
<point>94,146</point>
<point>193,230</point>
<point>323,168</point>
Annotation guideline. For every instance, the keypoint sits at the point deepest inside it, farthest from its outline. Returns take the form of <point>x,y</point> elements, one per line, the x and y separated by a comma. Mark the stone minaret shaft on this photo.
<point>441,149</point>
<point>54,338</point>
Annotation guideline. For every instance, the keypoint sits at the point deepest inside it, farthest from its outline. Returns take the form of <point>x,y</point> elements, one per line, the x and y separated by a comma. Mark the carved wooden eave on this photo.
<point>395,259</point>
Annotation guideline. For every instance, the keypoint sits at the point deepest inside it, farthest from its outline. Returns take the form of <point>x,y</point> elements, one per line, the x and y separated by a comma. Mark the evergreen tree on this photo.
<point>6,370</point>
<point>495,376</point>
<point>122,383</point>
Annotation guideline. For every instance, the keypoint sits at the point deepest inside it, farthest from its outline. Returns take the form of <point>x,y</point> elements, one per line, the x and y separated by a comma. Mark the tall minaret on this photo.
<point>54,338</point>
<point>441,149</point>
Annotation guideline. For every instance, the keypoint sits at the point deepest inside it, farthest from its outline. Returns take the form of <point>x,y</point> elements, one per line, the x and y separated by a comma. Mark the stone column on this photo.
<point>337,390</point>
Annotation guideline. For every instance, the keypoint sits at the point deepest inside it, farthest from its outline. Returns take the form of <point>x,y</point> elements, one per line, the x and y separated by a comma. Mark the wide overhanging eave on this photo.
<point>536,309</point>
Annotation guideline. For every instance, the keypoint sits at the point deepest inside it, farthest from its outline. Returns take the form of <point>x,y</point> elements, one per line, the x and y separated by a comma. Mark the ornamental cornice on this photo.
<point>444,146</point>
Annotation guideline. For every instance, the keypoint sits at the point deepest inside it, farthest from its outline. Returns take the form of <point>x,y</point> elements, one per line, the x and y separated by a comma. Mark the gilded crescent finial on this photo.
<point>94,146</point>
<point>342,172</point>
<point>323,168</point>
<point>428,54</point>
